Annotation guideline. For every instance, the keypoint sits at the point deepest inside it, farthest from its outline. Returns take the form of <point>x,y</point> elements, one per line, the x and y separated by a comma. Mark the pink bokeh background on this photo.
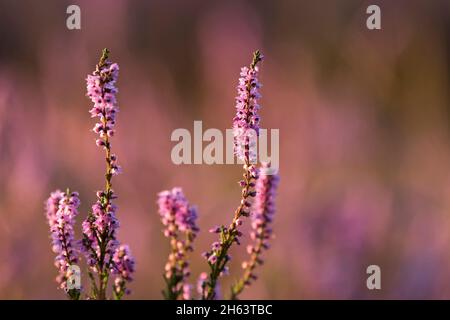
<point>364,136</point>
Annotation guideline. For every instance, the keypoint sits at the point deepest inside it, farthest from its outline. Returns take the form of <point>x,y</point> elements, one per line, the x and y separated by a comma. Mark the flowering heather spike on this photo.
<point>202,286</point>
<point>62,208</point>
<point>178,217</point>
<point>264,209</point>
<point>100,243</point>
<point>123,268</point>
<point>215,229</point>
<point>187,288</point>
<point>246,120</point>
<point>245,125</point>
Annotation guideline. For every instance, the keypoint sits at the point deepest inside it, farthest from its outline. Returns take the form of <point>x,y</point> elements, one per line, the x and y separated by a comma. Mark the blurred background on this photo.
<point>364,136</point>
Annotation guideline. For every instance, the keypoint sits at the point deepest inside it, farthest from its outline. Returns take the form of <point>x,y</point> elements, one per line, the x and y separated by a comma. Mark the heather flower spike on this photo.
<point>102,250</point>
<point>246,120</point>
<point>262,217</point>
<point>105,256</point>
<point>245,124</point>
<point>108,259</point>
<point>179,220</point>
<point>62,209</point>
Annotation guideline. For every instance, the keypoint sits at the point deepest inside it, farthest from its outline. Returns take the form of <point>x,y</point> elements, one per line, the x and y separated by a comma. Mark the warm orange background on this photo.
<point>363,118</point>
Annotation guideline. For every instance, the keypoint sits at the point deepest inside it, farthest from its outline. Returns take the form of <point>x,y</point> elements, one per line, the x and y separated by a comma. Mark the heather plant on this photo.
<point>106,257</point>
<point>104,254</point>
<point>256,182</point>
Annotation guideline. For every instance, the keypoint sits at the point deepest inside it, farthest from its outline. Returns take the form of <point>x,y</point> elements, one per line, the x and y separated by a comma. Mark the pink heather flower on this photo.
<point>175,212</point>
<point>215,229</point>
<point>115,168</point>
<point>101,90</point>
<point>61,210</point>
<point>123,268</point>
<point>212,258</point>
<point>216,245</point>
<point>178,218</point>
<point>246,120</point>
<point>202,287</point>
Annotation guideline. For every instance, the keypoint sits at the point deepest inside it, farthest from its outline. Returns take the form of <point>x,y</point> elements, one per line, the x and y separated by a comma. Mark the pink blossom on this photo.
<point>61,211</point>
